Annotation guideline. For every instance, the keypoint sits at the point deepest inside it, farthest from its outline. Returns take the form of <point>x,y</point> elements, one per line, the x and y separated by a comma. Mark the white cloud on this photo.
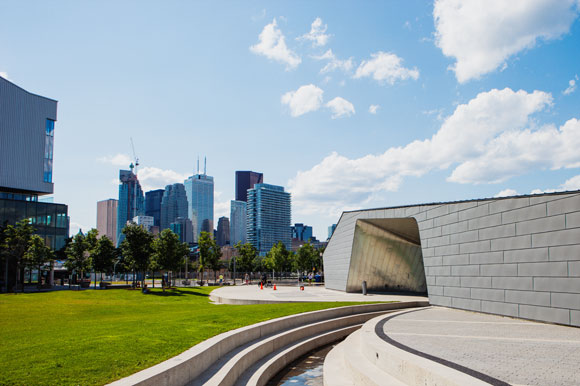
<point>156,178</point>
<point>385,67</point>
<point>317,34</point>
<point>334,63</point>
<point>506,193</point>
<point>571,86</point>
<point>221,208</point>
<point>272,45</point>
<point>119,159</point>
<point>570,184</point>
<point>304,100</point>
<point>482,34</point>
<point>373,109</point>
<point>340,108</point>
<point>485,140</point>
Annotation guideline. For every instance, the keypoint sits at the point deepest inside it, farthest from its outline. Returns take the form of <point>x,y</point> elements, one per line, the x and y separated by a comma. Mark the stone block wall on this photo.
<point>516,256</point>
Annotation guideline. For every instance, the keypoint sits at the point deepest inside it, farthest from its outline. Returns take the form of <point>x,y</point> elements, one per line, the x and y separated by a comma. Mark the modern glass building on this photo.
<point>246,179</point>
<point>268,217</point>
<point>131,200</point>
<point>183,228</point>
<point>153,205</point>
<point>302,232</point>
<point>173,205</point>
<point>199,191</point>
<point>27,124</point>
<point>238,220</point>
<point>223,231</point>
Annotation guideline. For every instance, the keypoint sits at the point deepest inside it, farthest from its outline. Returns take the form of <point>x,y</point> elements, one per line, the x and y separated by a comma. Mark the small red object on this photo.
<point>301,288</point>
<point>274,287</point>
<point>261,286</point>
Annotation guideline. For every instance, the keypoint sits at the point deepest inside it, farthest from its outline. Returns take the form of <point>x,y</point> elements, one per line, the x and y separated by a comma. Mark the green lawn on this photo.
<point>94,337</point>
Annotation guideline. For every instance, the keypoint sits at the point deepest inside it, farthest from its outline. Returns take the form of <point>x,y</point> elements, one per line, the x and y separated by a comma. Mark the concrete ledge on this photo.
<point>187,366</point>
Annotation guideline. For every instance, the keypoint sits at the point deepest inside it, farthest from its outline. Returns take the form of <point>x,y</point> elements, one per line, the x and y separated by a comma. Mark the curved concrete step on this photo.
<point>189,366</point>
<point>260,373</point>
<point>370,360</point>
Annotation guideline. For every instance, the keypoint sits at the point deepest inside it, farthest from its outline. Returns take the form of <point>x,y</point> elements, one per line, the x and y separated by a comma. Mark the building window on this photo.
<point>48,144</point>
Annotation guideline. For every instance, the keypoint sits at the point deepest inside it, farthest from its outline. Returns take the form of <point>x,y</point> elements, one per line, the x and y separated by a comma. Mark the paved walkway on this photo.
<point>310,294</point>
<point>515,351</point>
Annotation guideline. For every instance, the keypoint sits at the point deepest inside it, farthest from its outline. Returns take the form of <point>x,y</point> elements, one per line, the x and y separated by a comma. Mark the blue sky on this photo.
<point>346,104</point>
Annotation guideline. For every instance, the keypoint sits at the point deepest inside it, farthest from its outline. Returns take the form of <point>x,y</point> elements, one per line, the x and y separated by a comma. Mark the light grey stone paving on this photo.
<point>513,350</point>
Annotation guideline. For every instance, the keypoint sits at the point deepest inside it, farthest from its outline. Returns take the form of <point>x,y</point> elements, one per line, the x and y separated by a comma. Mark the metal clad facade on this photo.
<point>22,138</point>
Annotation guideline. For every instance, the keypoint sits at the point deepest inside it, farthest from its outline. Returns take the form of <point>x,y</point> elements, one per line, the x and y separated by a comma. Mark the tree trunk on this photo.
<point>153,279</point>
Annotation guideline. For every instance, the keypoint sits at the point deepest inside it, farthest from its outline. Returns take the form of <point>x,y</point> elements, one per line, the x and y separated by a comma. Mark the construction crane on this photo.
<point>136,160</point>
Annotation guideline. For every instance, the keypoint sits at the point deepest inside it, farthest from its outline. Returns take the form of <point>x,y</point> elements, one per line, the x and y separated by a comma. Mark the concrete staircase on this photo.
<point>365,359</point>
<point>252,355</point>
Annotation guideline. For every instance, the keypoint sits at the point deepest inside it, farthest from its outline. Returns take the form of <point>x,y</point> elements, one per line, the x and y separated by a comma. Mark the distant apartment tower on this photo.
<point>146,222</point>
<point>331,230</point>
<point>246,179</point>
<point>183,228</point>
<point>268,217</point>
<point>131,201</point>
<point>173,204</point>
<point>153,205</point>
<point>199,191</point>
<point>107,219</point>
<point>238,219</point>
<point>302,232</point>
<point>223,231</point>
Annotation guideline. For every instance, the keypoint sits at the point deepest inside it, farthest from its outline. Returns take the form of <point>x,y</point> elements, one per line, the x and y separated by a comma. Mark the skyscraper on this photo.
<point>183,228</point>
<point>301,232</point>
<point>246,180</point>
<point>153,205</point>
<point>223,231</point>
<point>107,219</point>
<point>173,204</point>
<point>268,217</point>
<point>199,191</point>
<point>131,200</point>
<point>238,222</point>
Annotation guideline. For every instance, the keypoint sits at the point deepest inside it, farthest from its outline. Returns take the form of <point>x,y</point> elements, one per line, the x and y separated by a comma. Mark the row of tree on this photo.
<point>278,259</point>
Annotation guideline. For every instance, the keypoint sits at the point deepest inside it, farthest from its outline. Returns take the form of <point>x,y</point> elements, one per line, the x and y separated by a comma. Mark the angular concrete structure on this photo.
<point>514,256</point>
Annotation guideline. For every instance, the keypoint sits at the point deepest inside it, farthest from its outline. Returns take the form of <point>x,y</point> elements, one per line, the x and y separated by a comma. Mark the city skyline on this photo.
<point>358,106</point>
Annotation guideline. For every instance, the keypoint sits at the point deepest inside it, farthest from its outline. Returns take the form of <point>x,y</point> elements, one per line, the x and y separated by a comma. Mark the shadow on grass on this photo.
<point>176,292</point>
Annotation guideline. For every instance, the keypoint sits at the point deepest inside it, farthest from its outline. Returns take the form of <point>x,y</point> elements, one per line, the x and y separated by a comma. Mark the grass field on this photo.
<point>94,337</point>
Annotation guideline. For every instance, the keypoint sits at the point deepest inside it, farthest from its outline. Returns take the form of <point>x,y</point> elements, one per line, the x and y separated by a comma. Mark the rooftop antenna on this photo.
<point>136,163</point>
<point>204,165</point>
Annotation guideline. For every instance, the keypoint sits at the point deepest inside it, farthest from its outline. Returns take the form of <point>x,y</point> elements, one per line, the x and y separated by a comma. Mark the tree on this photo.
<point>246,256</point>
<point>78,256</point>
<point>103,256</point>
<point>209,254</point>
<point>38,254</point>
<point>279,258</point>
<point>137,248</point>
<point>16,242</point>
<point>307,258</point>
<point>168,252</point>
<point>92,239</point>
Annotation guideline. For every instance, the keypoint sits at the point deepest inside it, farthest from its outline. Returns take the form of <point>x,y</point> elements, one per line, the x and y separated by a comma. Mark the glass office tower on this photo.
<point>153,205</point>
<point>246,179</point>
<point>199,191</point>
<point>131,200</point>
<point>173,205</point>
<point>268,217</point>
<point>238,222</point>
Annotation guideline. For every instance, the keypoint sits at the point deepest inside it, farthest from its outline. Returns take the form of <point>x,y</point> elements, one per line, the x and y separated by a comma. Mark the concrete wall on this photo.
<point>515,256</point>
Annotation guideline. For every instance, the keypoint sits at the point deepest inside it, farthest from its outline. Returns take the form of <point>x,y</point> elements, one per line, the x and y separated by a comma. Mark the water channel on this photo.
<point>304,371</point>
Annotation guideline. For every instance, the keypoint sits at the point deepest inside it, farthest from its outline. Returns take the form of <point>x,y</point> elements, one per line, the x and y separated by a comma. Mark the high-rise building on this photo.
<point>183,228</point>
<point>238,222</point>
<point>131,200</point>
<point>302,232</point>
<point>107,219</point>
<point>199,191</point>
<point>223,231</point>
<point>147,222</point>
<point>27,125</point>
<point>173,204</point>
<point>153,205</point>
<point>246,179</point>
<point>268,217</point>
<point>331,230</point>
